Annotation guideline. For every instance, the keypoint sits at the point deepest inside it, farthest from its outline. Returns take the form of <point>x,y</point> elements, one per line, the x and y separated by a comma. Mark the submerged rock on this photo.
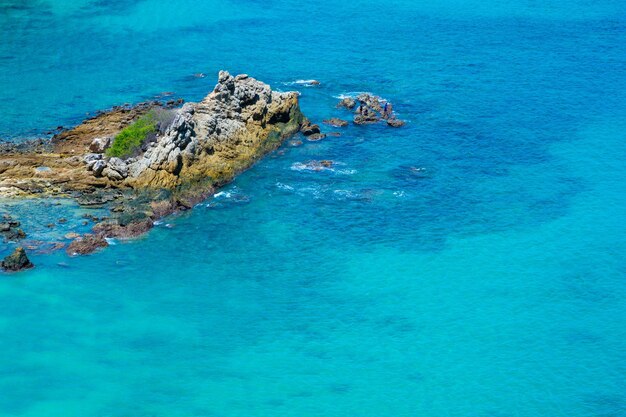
<point>17,261</point>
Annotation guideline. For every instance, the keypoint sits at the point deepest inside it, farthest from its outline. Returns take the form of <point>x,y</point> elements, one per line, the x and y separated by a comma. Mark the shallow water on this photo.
<point>469,264</point>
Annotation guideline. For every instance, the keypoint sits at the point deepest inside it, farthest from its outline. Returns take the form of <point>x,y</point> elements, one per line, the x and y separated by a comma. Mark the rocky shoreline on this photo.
<point>192,150</point>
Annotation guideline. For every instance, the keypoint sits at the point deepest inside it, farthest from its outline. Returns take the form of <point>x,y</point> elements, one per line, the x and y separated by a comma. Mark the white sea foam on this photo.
<point>345,194</point>
<point>110,241</point>
<point>285,187</point>
<point>350,94</point>
<point>304,83</point>
<point>346,171</point>
<point>317,167</point>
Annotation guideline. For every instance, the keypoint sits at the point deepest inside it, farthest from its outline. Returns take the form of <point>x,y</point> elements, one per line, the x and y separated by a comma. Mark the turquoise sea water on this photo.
<point>471,263</point>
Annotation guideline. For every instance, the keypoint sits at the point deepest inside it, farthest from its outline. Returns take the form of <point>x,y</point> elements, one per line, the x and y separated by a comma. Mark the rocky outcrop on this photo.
<point>206,144</point>
<point>215,139</point>
<point>203,146</point>
<point>86,244</point>
<point>371,109</point>
<point>17,261</point>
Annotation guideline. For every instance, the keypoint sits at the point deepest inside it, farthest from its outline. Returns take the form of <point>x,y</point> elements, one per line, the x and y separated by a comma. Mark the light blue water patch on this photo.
<point>470,263</point>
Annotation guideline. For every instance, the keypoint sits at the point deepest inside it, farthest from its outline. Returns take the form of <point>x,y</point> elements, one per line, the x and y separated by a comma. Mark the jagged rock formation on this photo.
<point>220,136</point>
<point>207,143</point>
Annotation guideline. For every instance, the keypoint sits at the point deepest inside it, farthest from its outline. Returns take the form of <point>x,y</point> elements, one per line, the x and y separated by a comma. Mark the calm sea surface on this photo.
<point>470,264</point>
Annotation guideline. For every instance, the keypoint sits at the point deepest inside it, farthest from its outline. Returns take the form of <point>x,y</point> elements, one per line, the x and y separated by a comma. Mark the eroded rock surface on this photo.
<point>17,261</point>
<point>224,134</point>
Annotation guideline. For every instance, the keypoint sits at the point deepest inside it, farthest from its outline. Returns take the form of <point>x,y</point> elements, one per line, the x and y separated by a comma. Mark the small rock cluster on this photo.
<point>115,169</point>
<point>311,131</point>
<point>373,109</point>
<point>10,229</point>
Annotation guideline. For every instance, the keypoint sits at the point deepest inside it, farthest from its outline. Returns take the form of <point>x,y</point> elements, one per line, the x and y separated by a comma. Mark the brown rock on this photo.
<point>132,229</point>
<point>348,103</point>
<point>315,137</point>
<point>162,208</point>
<point>366,118</point>
<point>336,122</point>
<point>395,122</point>
<point>86,244</point>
